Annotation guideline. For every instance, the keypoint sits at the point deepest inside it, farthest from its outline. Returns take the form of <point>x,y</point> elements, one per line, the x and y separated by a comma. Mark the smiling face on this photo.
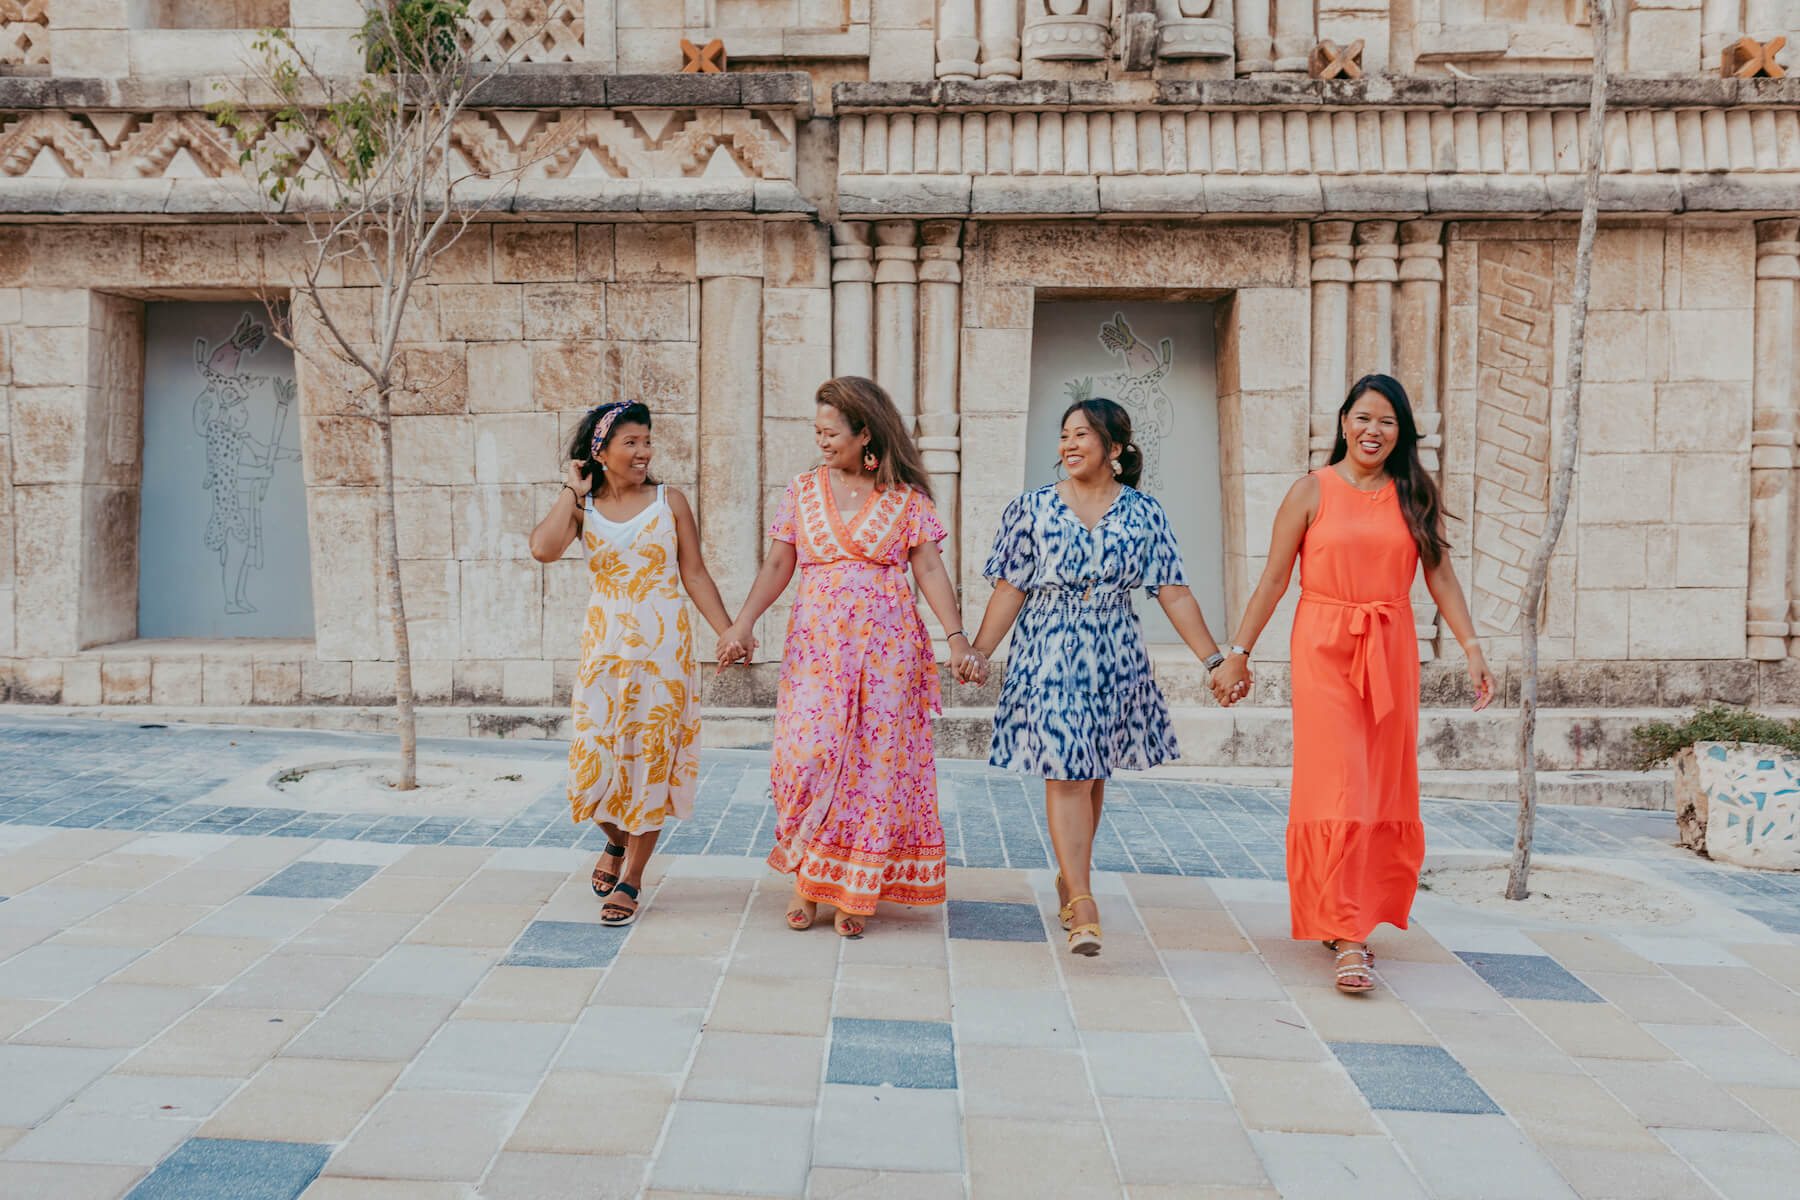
<point>1371,430</point>
<point>626,455</point>
<point>1083,448</point>
<point>840,447</point>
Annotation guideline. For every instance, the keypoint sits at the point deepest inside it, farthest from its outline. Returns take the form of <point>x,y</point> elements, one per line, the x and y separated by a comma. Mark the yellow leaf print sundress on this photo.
<point>635,757</point>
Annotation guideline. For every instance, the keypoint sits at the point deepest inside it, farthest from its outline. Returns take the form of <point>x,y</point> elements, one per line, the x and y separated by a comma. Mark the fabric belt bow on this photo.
<point>1370,624</point>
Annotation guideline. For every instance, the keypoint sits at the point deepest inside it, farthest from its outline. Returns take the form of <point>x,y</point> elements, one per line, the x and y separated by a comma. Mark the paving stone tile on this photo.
<point>566,944</point>
<point>763,1149</point>
<point>78,1137</point>
<point>229,1042</point>
<point>162,1097</point>
<point>703,934</point>
<point>40,1079</point>
<point>362,1026</point>
<point>1263,919</point>
<point>1730,1055</point>
<point>327,1188</point>
<point>1779,1027</point>
<point>1061,1159</point>
<point>898,936</point>
<point>16,1014</point>
<point>205,885</point>
<point>1529,977</point>
<point>920,1130</point>
<point>1679,951</point>
<point>1222,976</point>
<point>265,854</point>
<point>217,1169</point>
<point>177,845</point>
<point>564,1177</point>
<point>1323,1166</point>
<point>594,1112</point>
<point>303,1100</point>
<point>531,994</point>
<point>1779,961</point>
<point>1258,1029</point>
<point>59,906</point>
<point>904,1054</point>
<point>1013,1017</point>
<point>368,854</point>
<point>1739,1164</point>
<point>114,1014</point>
<point>1001,965</point>
<point>428,1135</point>
<point>316,880</point>
<point>1181,893</point>
<point>1414,945</point>
<point>1170,1066</point>
<point>1375,1017</point>
<point>1190,1144</point>
<point>1298,1097</point>
<point>194,961</point>
<point>1127,1004</point>
<point>1591,1030</point>
<point>661,980</point>
<point>1564,1110</point>
<point>995,921</point>
<point>497,885</point>
<point>1186,929</point>
<point>755,1068</point>
<point>1780,1107</point>
<point>1126,955</point>
<point>1412,1078</point>
<point>253,916</point>
<point>1437,985</point>
<point>485,1056</point>
<point>1021,1081</point>
<point>140,926</point>
<point>445,971</point>
<point>894,993</point>
<point>846,1183</point>
<point>1501,1040</point>
<point>1659,997</point>
<point>768,948</point>
<point>1468,1157</point>
<point>1741,990</point>
<point>1673,1094</point>
<point>766,1004</point>
<point>1627,1174</point>
<point>416,894</point>
<point>453,862</point>
<point>355,934</point>
<point>67,1181</point>
<point>297,981</point>
<point>1583,952</point>
<point>485,925</point>
<point>651,1041</point>
<point>121,869</point>
<point>52,972</point>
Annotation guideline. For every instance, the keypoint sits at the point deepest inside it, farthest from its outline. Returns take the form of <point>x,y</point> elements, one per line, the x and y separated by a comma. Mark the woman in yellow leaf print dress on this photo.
<point>634,759</point>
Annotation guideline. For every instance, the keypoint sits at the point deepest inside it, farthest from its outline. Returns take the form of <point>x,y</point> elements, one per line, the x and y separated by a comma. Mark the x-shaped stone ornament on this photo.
<point>1328,61</point>
<point>1747,58</point>
<point>708,60</point>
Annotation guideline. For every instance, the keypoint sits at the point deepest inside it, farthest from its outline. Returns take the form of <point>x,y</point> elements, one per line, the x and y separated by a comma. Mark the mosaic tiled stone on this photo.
<point>1740,803</point>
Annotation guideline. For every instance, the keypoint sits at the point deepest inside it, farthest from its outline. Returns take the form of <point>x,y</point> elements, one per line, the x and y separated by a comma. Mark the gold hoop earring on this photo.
<point>870,462</point>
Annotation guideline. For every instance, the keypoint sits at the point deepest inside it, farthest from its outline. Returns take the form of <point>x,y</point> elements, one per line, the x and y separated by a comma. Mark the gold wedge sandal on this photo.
<point>1084,939</point>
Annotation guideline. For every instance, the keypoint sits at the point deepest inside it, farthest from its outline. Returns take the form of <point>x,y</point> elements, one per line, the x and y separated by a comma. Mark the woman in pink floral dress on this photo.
<point>854,781</point>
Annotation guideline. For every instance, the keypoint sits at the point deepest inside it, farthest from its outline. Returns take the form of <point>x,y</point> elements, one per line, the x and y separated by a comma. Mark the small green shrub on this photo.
<point>1660,741</point>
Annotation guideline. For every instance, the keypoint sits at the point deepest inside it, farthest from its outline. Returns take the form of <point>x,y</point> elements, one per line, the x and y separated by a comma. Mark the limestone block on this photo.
<point>1274,433</point>
<point>422,516</point>
<point>533,253</point>
<point>51,306</point>
<point>274,682</point>
<point>48,533</point>
<point>501,376</point>
<point>1071,194</point>
<point>493,521</point>
<point>200,255</point>
<point>1602,623</point>
<point>655,253</point>
<point>515,447</point>
<point>567,588</point>
<point>1628,268</point>
<point>796,254</point>
<point>349,611</point>
<point>1712,344</point>
<point>1703,416</point>
<point>527,682</point>
<point>432,680</point>
<point>1712,488</point>
<point>992,381</point>
<point>49,356</point>
<point>176,683</point>
<point>795,315</point>
<point>1269,331</point>
<point>913,195</point>
<point>649,312</point>
<point>791,377</point>
<point>565,311</point>
<point>1718,266</point>
<point>81,256</point>
<point>435,450</point>
<point>468,259</point>
<point>728,248</point>
<point>373,682</point>
<point>1710,555</point>
<point>476,682</point>
<point>1611,556</point>
<point>990,307</point>
<point>110,519</point>
<point>677,444</point>
<point>435,379</point>
<point>226,682</point>
<point>430,588</point>
<point>1687,623</point>
<point>80,682</point>
<point>594,253</point>
<point>324,682</point>
<point>664,375</point>
<point>502,609</point>
<point>481,312</point>
<point>901,53</point>
<point>1624,489</point>
<point>788,448</point>
<point>569,375</point>
<point>1617,346</point>
<point>125,681</point>
<point>49,430</point>
<point>1662,41</point>
<point>1747,807</point>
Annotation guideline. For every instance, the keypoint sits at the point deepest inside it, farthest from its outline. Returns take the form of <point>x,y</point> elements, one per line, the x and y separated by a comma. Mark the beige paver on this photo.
<point>1296,1097</point>
<point>1125,953</point>
<point>328,1188</point>
<point>1565,1110</point>
<point>194,961</point>
<point>450,1136</point>
<point>123,871</point>
<point>1047,1160</point>
<point>522,1176</point>
<point>1408,945</point>
<point>1127,1004</point>
<point>114,1014</point>
<point>755,1068</point>
<point>531,994</point>
<point>1257,1029</point>
<point>1377,1017</point>
<point>1782,1028</point>
<point>893,993</point>
<point>1660,998</point>
<point>594,1112</point>
<point>365,934</point>
<point>303,1100</point>
<point>66,1181</point>
<point>1591,1030</point>
<point>1496,1039</point>
<point>1028,1082</point>
<point>843,1183</point>
<point>1183,893</point>
<point>1741,990</point>
<point>661,981</point>
<point>133,924</point>
<point>698,933</point>
<point>496,886</point>
<point>1192,929</point>
<point>458,924</point>
<point>965,883</point>
<point>202,884</point>
<point>230,1042</point>
<point>1166,1143</point>
<point>715,897</point>
<point>16,1013</point>
<point>401,893</point>
<point>769,947</point>
<point>1001,964</point>
<point>297,981</point>
<point>1591,952</point>
<point>1780,1107</point>
<point>24,870</point>
<point>1637,1174</point>
<point>1779,961</point>
<point>1672,1094</point>
<point>455,862</point>
<point>764,1004</point>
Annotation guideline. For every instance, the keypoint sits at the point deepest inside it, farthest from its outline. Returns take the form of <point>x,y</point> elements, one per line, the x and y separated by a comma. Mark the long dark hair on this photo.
<point>581,446</point>
<point>1110,420</point>
<point>1420,501</point>
<point>866,408</point>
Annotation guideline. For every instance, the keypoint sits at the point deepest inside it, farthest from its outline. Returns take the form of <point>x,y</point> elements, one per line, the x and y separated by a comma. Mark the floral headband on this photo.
<point>604,425</point>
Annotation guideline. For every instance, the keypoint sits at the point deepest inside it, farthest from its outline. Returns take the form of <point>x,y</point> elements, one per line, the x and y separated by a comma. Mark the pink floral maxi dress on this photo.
<point>853,775</point>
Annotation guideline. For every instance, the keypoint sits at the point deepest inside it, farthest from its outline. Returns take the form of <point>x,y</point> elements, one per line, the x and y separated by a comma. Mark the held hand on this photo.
<point>1482,678</point>
<point>575,479</point>
<point>1231,681</point>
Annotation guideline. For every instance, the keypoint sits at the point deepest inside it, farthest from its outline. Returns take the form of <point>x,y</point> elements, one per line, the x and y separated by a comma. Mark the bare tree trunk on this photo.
<point>387,539</point>
<point>1562,481</point>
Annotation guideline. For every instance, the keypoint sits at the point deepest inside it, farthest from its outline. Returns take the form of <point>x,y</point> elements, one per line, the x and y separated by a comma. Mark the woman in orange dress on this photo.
<point>1360,528</point>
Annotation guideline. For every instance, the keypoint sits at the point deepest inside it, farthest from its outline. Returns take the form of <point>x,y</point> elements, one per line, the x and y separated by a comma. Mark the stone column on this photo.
<point>958,47</point>
<point>940,332</point>
<point>852,300</point>
<point>1000,39</point>
<point>1372,304</point>
<point>1772,442</point>
<point>1293,33</point>
<point>1331,276</point>
<point>897,314</point>
<point>1255,42</point>
<point>731,429</point>
<point>1418,337</point>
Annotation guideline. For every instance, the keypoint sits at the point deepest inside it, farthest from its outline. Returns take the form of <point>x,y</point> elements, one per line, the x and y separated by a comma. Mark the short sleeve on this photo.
<point>1162,555</point>
<point>1014,557</point>
<point>782,530</point>
<point>922,524</point>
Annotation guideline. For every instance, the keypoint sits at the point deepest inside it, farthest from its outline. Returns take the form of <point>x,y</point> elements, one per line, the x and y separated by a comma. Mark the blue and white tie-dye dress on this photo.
<point>1079,701</point>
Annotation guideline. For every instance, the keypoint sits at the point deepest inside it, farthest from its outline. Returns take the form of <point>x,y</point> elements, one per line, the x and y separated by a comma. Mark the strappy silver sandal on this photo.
<point>1354,977</point>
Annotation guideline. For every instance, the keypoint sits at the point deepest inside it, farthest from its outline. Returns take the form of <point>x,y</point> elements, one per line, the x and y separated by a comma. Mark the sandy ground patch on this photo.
<point>1561,894</point>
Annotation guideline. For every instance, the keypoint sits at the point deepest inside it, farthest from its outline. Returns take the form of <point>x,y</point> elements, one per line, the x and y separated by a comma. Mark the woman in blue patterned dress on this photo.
<point>1079,701</point>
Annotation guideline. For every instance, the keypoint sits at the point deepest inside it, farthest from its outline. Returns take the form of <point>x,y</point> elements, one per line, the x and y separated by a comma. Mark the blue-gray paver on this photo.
<point>566,944</point>
<point>994,921</point>
<point>317,880</point>
<point>226,1169</point>
<point>908,1054</point>
<point>1528,977</point>
<point>1411,1078</point>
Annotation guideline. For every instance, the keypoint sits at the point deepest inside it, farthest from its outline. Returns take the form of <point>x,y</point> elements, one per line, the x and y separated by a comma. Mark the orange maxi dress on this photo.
<point>1354,840</point>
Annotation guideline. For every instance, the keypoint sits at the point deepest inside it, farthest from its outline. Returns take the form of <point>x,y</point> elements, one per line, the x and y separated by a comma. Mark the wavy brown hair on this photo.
<point>867,409</point>
<point>1420,501</point>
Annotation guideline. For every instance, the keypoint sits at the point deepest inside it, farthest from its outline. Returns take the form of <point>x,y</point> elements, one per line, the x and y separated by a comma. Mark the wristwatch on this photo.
<point>1243,650</point>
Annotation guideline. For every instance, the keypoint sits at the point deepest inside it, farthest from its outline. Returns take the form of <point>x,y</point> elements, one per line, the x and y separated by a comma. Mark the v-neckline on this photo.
<point>628,521</point>
<point>846,524</point>
<point>1056,490</point>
